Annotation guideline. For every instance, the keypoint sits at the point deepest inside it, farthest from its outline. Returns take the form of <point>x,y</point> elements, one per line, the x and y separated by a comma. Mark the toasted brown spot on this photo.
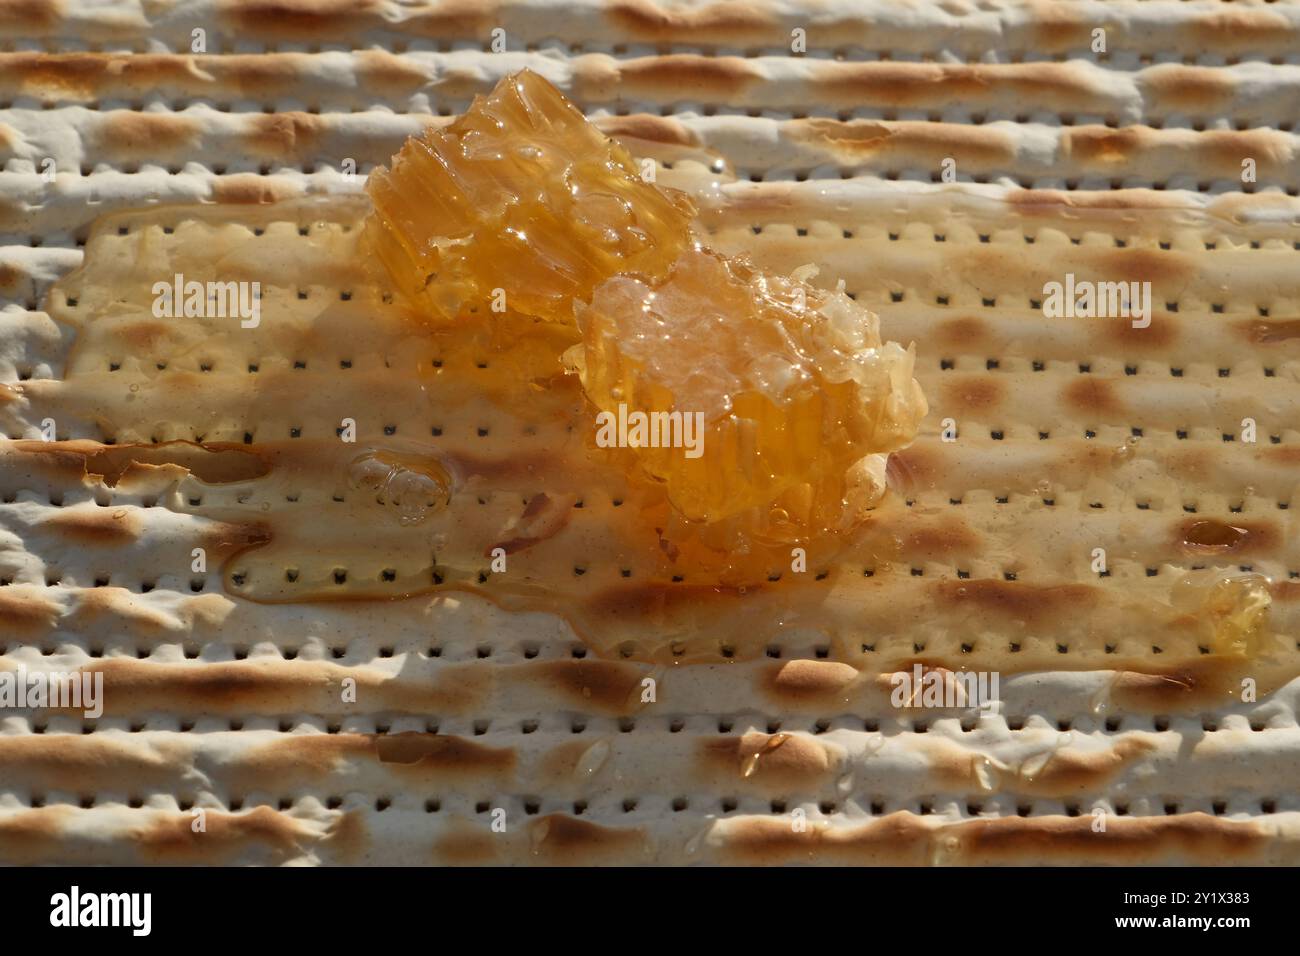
<point>1284,591</point>
<point>729,21</point>
<point>465,845</point>
<point>1202,90</point>
<point>905,839</point>
<point>1100,144</point>
<point>1066,772</point>
<point>214,464</point>
<point>564,840</point>
<point>347,837</point>
<point>260,834</point>
<point>1159,335</point>
<point>1242,29</point>
<point>251,189</point>
<point>24,611</point>
<point>1093,397</point>
<point>277,687</point>
<point>288,135</point>
<point>966,332</point>
<point>899,839</point>
<point>223,540</point>
<point>805,681</point>
<point>659,599</point>
<point>10,276</point>
<point>933,539</point>
<point>302,760</point>
<point>972,393</point>
<point>1271,149</point>
<point>288,19</point>
<point>94,526</point>
<point>1032,604</point>
<point>917,466</point>
<point>460,19</point>
<point>1272,331</point>
<point>1185,689</point>
<point>442,752</point>
<point>856,140</point>
<point>1074,771</point>
<point>1160,268</point>
<point>36,836</point>
<point>767,760</point>
<point>12,213</point>
<point>542,518</point>
<point>1057,27</point>
<point>47,835</point>
<point>608,685</point>
<point>255,74</point>
<point>920,84</point>
<point>206,611</point>
<point>145,135</point>
<point>1184,838</point>
<point>653,129</point>
<point>1282,454</point>
<point>389,72</point>
<point>36,16</point>
<point>148,336</point>
<point>563,762</point>
<point>900,84</point>
<point>84,76</point>
<point>1192,463</point>
<point>117,604</point>
<point>1038,202</point>
<point>704,77</point>
<point>85,762</point>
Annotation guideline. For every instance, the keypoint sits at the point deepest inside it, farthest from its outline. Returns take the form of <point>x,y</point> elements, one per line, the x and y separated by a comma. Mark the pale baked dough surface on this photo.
<point>224,689</point>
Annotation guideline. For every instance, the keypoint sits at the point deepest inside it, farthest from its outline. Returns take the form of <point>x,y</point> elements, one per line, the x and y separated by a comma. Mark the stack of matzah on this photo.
<point>334,679</point>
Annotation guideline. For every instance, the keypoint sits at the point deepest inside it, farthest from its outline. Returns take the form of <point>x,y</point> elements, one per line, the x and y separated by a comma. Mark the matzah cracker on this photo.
<point>224,687</point>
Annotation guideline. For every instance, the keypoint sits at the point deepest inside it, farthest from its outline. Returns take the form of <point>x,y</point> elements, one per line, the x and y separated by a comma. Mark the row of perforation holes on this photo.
<point>1157,723</point>
<point>534,651</point>
<point>945,364</point>
<point>876,807</point>
<point>894,234</point>
<point>528,431</point>
<point>1094,239</point>
<point>104,499</point>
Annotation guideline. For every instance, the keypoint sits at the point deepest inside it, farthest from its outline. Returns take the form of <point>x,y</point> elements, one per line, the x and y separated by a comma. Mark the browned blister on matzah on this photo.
<point>344,678</point>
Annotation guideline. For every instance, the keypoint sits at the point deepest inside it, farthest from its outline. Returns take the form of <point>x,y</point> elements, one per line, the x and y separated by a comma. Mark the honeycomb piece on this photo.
<point>784,399</point>
<point>797,396</point>
<point>522,195</point>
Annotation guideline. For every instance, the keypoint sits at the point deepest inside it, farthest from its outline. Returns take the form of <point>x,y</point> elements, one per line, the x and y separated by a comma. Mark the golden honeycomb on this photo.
<point>764,406</point>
